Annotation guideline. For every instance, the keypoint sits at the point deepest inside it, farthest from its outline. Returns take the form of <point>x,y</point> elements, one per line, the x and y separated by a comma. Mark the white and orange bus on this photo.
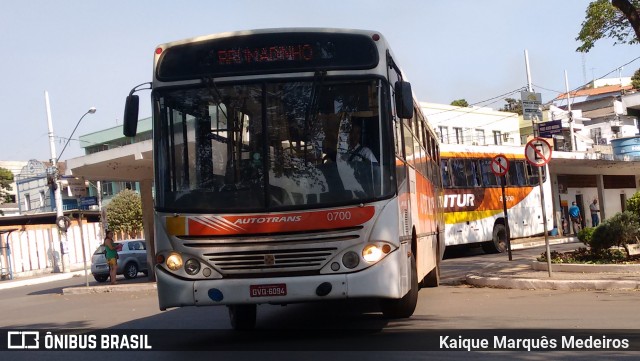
<point>473,201</point>
<point>291,165</point>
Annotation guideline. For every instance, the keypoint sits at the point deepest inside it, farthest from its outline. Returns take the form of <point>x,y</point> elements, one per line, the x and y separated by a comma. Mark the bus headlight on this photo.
<point>375,252</point>
<point>192,266</point>
<point>350,260</point>
<point>174,262</point>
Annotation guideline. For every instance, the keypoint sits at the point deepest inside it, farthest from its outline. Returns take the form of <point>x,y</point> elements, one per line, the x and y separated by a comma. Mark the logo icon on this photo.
<point>23,340</point>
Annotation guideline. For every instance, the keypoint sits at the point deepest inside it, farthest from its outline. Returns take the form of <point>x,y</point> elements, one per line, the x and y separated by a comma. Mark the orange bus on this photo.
<point>291,165</point>
<point>473,201</point>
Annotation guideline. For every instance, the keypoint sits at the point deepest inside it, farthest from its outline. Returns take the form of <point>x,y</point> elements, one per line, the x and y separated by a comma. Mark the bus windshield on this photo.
<point>253,147</point>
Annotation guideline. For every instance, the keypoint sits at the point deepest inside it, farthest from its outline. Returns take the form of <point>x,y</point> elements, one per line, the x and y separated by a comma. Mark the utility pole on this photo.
<point>64,255</point>
<point>566,84</point>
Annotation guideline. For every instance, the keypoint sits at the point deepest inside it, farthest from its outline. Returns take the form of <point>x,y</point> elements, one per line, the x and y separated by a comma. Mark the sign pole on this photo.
<point>506,216</point>
<point>84,253</point>
<point>544,221</point>
<point>538,154</point>
<point>500,167</point>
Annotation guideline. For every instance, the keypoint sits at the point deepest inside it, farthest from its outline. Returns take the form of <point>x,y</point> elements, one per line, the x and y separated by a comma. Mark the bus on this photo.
<point>290,165</point>
<point>473,200</point>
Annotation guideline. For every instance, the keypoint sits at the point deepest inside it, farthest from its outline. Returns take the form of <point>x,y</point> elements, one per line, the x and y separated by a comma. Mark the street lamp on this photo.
<point>91,110</point>
<point>60,220</point>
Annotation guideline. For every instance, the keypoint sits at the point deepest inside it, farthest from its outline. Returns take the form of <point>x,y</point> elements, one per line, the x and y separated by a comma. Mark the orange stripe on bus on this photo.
<point>210,225</point>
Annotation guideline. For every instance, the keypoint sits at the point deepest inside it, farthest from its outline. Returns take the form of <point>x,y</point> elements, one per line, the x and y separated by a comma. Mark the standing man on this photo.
<point>593,207</point>
<point>576,219</point>
<point>111,253</point>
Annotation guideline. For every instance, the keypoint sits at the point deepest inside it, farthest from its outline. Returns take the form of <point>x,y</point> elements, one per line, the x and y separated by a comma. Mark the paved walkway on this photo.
<point>484,271</point>
<point>519,273</point>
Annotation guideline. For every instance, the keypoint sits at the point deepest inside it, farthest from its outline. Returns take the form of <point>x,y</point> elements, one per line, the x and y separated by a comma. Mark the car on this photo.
<point>132,259</point>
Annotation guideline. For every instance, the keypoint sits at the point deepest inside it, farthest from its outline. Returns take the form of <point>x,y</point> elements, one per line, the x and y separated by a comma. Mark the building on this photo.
<point>472,125</point>
<point>109,139</point>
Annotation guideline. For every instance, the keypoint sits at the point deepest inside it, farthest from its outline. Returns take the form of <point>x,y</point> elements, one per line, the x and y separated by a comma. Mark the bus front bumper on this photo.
<point>382,280</point>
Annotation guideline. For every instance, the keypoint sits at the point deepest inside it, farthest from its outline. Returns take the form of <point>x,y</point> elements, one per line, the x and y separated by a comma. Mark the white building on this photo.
<point>472,125</point>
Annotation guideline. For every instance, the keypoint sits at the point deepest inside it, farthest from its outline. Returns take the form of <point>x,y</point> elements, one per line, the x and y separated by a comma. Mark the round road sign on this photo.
<point>499,165</point>
<point>538,152</point>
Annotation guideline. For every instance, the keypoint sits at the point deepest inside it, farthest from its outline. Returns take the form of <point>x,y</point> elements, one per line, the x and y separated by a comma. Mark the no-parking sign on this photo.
<point>538,152</point>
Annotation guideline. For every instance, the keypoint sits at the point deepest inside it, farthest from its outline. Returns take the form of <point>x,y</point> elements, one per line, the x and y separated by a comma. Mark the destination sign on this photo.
<point>267,53</point>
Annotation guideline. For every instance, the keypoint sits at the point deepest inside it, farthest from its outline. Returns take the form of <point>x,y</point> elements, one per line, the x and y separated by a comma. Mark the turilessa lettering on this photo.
<point>302,52</point>
<point>260,220</point>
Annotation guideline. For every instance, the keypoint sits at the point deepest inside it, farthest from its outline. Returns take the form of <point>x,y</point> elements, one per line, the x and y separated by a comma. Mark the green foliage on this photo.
<point>583,255</point>
<point>124,212</point>
<point>585,235</point>
<point>604,20</point>
<point>633,204</point>
<point>6,178</point>
<point>512,106</point>
<point>460,103</point>
<point>621,229</point>
<point>635,79</point>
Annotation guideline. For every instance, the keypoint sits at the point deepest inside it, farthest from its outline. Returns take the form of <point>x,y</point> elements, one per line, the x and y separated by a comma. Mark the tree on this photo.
<point>635,79</point>
<point>460,103</point>
<point>124,213</point>
<point>6,178</point>
<point>512,106</point>
<point>615,19</point>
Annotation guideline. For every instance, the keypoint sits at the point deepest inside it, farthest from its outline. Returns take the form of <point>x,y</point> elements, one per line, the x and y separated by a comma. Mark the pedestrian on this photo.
<point>576,219</point>
<point>111,253</point>
<point>593,207</point>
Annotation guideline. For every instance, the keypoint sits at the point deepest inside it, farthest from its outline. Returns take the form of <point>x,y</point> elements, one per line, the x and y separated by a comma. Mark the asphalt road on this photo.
<point>346,330</point>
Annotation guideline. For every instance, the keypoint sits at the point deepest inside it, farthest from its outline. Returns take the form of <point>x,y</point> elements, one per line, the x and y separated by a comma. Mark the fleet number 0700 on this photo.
<point>338,216</point>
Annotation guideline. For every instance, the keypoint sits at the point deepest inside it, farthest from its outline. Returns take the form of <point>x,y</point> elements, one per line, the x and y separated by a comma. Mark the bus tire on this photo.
<point>403,307</point>
<point>499,242</point>
<point>242,317</point>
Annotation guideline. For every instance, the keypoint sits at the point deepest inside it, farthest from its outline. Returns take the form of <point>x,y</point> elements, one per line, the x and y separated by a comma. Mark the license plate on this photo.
<point>268,290</point>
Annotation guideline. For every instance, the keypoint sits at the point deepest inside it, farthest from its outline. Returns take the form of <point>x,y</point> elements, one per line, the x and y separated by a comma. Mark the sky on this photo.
<point>90,53</point>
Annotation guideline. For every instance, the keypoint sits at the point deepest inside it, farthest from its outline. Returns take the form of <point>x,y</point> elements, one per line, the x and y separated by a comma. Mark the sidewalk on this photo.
<point>523,272</point>
<point>497,272</point>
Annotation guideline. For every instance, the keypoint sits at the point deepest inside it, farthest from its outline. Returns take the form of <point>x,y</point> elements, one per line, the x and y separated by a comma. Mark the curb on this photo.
<point>40,280</point>
<point>539,284</point>
<point>537,242</point>
<point>587,268</point>
<point>136,287</point>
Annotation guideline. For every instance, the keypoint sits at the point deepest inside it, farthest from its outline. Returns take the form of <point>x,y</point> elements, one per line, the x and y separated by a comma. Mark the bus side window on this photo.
<point>517,176</point>
<point>473,176</point>
<point>488,177</point>
<point>444,167</point>
<point>458,173</point>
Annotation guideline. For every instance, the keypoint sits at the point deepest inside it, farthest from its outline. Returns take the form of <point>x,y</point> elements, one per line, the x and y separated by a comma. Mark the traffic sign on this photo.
<point>499,165</point>
<point>538,152</point>
<point>77,187</point>
<point>531,106</point>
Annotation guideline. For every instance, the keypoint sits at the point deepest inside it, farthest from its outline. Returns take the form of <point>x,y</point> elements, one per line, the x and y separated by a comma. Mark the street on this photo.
<point>448,307</point>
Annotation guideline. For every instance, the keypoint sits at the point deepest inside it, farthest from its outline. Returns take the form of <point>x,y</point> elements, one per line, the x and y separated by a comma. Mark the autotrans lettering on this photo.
<point>268,220</point>
<point>302,52</point>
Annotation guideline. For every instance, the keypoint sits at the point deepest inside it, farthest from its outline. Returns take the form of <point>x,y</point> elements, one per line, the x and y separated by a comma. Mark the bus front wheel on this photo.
<point>499,242</point>
<point>403,307</point>
<point>242,317</point>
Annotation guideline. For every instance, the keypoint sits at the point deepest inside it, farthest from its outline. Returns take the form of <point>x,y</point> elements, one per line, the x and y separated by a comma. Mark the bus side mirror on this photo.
<point>130,116</point>
<point>404,99</point>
